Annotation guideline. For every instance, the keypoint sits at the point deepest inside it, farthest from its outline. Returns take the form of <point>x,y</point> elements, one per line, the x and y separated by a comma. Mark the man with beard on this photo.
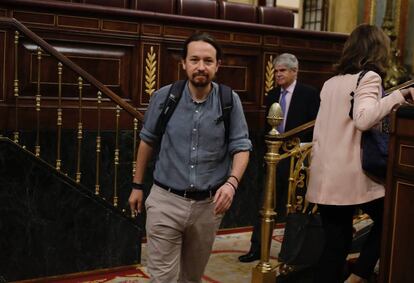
<point>197,170</point>
<point>300,104</point>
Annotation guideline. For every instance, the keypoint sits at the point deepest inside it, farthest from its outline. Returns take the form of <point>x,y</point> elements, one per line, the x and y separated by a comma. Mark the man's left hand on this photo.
<point>223,198</point>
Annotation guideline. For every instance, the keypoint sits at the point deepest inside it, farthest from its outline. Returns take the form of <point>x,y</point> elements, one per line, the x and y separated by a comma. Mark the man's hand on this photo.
<point>223,198</point>
<point>135,201</point>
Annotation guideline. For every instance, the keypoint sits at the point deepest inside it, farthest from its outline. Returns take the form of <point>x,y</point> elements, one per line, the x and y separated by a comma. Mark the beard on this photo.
<point>200,80</point>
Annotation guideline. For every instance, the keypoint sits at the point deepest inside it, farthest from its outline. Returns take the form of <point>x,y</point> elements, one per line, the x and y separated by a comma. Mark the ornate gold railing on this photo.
<point>113,103</point>
<point>279,147</point>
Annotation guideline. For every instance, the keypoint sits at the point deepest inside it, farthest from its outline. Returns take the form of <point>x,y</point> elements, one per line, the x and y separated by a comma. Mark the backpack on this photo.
<point>175,92</point>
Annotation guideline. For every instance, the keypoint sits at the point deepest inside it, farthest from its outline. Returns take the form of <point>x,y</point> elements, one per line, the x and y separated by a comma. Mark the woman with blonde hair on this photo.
<point>337,182</point>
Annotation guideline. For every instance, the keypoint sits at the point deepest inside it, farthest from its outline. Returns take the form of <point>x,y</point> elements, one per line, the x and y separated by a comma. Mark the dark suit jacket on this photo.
<point>303,107</point>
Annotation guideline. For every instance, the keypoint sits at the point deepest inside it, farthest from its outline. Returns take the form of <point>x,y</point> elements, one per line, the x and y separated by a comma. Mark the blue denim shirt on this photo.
<point>193,153</point>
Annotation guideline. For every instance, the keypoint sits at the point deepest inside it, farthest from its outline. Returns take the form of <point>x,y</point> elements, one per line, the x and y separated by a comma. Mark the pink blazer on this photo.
<point>336,175</point>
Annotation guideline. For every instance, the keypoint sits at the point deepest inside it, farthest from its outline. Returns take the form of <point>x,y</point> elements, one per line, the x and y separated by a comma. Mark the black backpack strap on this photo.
<point>168,108</point>
<point>351,111</point>
<point>226,99</point>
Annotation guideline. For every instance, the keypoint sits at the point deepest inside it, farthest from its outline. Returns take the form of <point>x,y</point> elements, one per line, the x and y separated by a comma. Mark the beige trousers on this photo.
<point>180,236</point>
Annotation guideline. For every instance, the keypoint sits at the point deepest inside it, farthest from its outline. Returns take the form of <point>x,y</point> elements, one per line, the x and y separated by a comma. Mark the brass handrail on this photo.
<point>293,132</point>
<point>400,86</point>
<point>279,146</point>
<point>44,49</point>
<point>47,48</point>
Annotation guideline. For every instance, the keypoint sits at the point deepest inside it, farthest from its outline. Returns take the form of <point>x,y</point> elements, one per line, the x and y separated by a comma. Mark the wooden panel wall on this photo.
<point>398,230</point>
<point>115,48</point>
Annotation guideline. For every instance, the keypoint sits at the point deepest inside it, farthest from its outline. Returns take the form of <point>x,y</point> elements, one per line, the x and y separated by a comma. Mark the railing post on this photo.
<point>59,121</point>
<point>98,147</point>
<point>16,87</point>
<point>38,99</point>
<point>116,156</point>
<point>264,272</point>
<point>80,133</point>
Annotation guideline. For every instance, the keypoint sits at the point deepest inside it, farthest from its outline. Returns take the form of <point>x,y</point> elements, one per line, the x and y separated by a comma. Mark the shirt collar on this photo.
<point>290,88</point>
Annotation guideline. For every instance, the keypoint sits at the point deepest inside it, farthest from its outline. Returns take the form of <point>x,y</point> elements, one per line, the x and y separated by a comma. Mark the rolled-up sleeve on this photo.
<point>148,133</point>
<point>239,132</point>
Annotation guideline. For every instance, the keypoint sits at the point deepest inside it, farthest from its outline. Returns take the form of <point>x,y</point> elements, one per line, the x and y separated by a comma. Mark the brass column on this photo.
<point>265,272</point>
<point>80,133</point>
<point>16,87</point>
<point>59,121</point>
<point>98,147</point>
<point>38,100</point>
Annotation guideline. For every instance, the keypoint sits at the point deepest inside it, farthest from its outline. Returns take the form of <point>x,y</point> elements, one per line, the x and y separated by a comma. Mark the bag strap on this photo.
<point>170,104</point>
<point>361,75</point>
<point>226,100</point>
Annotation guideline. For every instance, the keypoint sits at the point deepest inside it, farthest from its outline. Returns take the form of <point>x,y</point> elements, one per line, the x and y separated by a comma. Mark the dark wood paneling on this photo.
<point>110,3</point>
<point>113,45</point>
<point>321,44</point>
<point>402,260</point>
<point>406,158</point>
<point>78,22</point>
<point>292,42</point>
<point>35,18</point>
<point>246,38</point>
<point>110,64</point>
<point>179,32</point>
<point>219,36</point>
<point>120,26</point>
<point>171,68</point>
<point>398,230</point>
<point>271,40</point>
<point>149,29</point>
<point>241,71</point>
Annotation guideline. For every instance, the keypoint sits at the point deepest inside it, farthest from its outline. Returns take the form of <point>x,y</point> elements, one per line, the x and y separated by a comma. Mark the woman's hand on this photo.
<point>408,93</point>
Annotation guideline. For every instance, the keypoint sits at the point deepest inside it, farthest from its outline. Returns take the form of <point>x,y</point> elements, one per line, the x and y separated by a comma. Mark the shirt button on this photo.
<point>194,130</point>
<point>192,166</point>
<point>193,148</point>
<point>196,111</point>
<point>192,185</point>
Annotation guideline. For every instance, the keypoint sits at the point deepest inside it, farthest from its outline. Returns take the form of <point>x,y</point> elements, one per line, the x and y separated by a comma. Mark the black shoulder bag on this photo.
<point>303,240</point>
<point>374,146</point>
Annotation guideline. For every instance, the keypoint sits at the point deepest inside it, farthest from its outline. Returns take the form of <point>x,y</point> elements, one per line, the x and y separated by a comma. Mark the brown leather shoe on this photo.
<point>250,256</point>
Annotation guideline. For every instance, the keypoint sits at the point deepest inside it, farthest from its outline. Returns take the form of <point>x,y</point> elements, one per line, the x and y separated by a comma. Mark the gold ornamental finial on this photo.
<point>274,118</point>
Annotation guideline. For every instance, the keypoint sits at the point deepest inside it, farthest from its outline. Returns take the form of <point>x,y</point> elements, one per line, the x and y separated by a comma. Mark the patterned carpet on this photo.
<point>223,266</point>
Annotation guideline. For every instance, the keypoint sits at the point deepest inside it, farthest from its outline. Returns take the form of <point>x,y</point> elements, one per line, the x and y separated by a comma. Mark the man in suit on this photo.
<point>300,104</point>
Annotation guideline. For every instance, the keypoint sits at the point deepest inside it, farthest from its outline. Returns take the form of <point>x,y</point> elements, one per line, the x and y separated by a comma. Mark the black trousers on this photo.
<point>337,223</point>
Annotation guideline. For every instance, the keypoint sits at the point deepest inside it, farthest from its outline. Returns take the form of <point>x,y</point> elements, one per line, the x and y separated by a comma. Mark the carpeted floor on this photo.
<point>223,266</point>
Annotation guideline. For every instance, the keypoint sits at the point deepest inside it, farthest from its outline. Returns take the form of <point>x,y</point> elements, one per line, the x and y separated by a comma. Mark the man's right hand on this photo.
<point>135,201</point>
